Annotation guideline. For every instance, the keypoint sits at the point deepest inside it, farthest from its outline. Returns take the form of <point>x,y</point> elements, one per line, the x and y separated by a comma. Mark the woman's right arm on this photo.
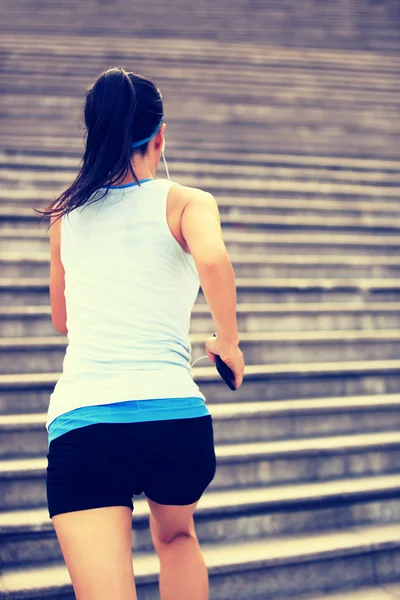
<point>201,229</point>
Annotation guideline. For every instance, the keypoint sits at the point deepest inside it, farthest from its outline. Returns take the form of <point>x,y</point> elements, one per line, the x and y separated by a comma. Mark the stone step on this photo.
<point>323,91</point>
<point>278,94</point>
<point>283,121</point>
<point>278,242</point>
<point>21,202</point>
<point>181,164</point>
<point>302,564</point>
<point>296,204</point>
<point>32,321</point>
<point>344,82</point>
<point>29,392</point>
<point>384,146</point>
<point>283,28</point>
<point>25,435</point>
<point>38,180</point>
<point>321,131</point>
<point>35,291</point>
<point>291,86</point>
<point>22,219</point>
<point>300,197</point>
<point>189,49</point>
<point>14,264</point>
<point>204,157</point>
<point>304,87</point>
<point>44,354</point>
<point>302,243</point>
<point>324,141</point>
<point>294,67</point>
<point>309,134</point>
<point>317,223</point>
<point>354,182</point>
<point>22,481</point>
<point>27,537</point>
<point>386,591</point>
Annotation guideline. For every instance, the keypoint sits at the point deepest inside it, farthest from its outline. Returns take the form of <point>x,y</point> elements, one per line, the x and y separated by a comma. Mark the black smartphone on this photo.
<point>225,372</point>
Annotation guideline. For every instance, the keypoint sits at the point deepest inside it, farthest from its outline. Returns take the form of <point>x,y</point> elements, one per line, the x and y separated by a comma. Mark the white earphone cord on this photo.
<point>166,166</point>
<point>206,356</point>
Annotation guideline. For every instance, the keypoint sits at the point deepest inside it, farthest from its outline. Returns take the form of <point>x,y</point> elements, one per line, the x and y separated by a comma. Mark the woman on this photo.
<point>128,252</point>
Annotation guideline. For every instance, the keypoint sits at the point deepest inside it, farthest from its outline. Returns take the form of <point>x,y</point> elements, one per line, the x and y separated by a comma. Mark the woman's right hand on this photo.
<point>231,355</point>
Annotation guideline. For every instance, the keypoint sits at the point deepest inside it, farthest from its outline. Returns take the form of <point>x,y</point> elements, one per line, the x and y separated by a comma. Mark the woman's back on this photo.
<point>129,289</point>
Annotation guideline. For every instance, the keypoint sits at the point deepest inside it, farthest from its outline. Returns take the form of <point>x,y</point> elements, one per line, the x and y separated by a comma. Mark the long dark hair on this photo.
<point>121,107</point>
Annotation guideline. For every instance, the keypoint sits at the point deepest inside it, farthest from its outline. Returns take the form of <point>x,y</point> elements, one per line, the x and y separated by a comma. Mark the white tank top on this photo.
<point>129,290</point>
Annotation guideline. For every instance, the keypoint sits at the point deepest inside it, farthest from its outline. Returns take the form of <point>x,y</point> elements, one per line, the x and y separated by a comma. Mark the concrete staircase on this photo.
<point>298,140</point>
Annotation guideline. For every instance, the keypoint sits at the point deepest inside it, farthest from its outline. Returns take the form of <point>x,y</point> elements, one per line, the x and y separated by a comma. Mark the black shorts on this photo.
<point>106,464</point>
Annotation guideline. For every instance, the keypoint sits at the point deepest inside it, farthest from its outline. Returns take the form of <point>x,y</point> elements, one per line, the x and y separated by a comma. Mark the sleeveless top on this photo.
<point>129,291</point>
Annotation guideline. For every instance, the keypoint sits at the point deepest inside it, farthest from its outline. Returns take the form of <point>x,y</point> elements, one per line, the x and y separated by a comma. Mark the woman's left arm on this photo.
<point>57,280</point>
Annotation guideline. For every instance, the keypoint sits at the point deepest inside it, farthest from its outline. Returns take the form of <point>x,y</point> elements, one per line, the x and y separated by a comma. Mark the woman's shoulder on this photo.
<point>186,192</point>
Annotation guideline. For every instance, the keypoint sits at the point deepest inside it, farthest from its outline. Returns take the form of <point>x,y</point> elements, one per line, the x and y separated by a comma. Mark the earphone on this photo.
<point>165,162</point>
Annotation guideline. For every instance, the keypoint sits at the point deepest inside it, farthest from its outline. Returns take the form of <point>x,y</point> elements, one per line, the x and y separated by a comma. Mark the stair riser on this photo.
<point>41,244</point>
<point>284,139</point>
<point>283,180</point>
<point>296,248</point>
<point>313,295</point>
<point>40,296</point>
<point>333,573</point>
<point>259,522</point>
<point>8,269</point>
<point>32,440</point>
<point>251,322</point>
<point>317,271</point>
<point>350,194</point>
<point>36,399</point>
<point>305,578</point>
<point>391,225</point>
<point>288,207</point>
<point>49,360</point>
<point>304,209</point>
<point>30,491</point>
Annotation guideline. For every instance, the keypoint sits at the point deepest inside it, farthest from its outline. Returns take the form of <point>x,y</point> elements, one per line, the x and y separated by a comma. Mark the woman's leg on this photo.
<point>183,572</point>
<point>97,549</point>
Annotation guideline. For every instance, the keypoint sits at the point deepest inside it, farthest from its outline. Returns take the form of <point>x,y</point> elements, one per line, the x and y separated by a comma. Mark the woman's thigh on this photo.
<point>97,549</point>
<point>90,504</point>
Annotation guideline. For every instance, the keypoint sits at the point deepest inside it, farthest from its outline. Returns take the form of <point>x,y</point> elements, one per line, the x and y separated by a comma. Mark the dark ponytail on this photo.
<point>121,108</point>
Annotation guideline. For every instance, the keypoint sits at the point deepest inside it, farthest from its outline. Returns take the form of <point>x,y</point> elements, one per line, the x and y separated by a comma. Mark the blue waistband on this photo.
<point>128,411</point>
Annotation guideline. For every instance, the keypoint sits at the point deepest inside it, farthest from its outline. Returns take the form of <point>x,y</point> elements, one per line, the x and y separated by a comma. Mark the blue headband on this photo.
<point>140,142</point>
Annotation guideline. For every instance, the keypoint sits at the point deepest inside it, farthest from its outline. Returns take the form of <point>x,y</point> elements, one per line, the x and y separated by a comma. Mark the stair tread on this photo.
<point>251,450</point>
<point>339,222</point>
<point>386,591</point>
<point>237,410</point>
<point>341,335</point>
<point>27,380</point>
<point>259,283</point>
<point>243,307</point>
<point>224,558</point>
<point>184,154</point>
<point>237,500</point>
<point>230,235</point>
<point>41,257</point>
